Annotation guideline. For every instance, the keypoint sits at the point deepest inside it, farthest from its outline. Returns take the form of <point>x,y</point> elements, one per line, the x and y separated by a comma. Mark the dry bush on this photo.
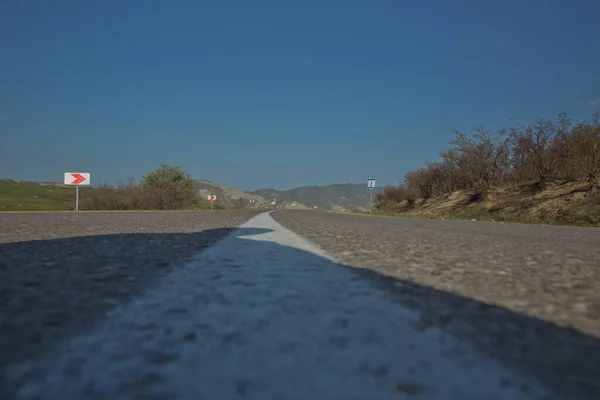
<point>582,148</point>
<point>541,152</point>
<point>539,145</point>
<point>169,188</point>
<point>481,160</point>
<point>166,188</point>
<point>392,195</point>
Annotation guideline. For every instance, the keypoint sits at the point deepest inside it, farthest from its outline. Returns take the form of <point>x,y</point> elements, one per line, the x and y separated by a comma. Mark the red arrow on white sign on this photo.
<point>77,178</point>
<point>212,197</point>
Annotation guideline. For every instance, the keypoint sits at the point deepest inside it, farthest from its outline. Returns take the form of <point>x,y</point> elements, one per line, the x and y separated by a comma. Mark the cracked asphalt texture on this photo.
<point>527,295</point>
<point>60,271</point>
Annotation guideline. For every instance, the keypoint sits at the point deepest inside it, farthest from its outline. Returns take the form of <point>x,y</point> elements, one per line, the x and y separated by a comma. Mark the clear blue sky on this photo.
<point>279,93</point>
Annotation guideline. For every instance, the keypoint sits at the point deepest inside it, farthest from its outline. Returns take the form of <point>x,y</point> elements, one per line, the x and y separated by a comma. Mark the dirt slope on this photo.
<point>560,203</point>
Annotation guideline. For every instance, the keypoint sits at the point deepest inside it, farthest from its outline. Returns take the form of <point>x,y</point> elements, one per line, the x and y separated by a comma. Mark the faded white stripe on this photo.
<point>264,314</point>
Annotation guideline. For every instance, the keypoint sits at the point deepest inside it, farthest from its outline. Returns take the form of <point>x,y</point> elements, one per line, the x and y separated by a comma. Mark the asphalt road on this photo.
<point>60,271</point>
<point>527,295</point>
<point>549,272</point>
<point>185,305</point>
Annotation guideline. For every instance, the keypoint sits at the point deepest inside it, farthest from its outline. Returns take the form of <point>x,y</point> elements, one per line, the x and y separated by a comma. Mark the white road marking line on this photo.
<point>263,314</point>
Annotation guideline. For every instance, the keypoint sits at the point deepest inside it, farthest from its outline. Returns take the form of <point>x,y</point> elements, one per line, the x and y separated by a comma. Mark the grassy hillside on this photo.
<point>34,196</point>
<point>566,203</point>
<point>31,196</point>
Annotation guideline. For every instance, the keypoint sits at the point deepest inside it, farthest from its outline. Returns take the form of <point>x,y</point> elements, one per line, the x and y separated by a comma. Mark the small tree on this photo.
<point>583,150</point>
<point>538,145</point>
<point>482,159</point>
<point>420,183</point>
<point>170,188</point>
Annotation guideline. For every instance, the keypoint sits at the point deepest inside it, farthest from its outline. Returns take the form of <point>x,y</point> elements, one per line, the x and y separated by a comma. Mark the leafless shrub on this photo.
<point>538,153</point>
<point>482,159</point>
<point>582,148</point>
<point>539,147</point>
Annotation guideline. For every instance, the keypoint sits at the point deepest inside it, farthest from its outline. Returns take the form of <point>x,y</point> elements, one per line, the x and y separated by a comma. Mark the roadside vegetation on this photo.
<point>31,196</point>
<point>546,172</point>
<point>166,188</point>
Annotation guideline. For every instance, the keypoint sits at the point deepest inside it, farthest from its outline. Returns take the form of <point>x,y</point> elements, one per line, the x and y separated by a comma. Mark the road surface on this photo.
<point>295,305</point>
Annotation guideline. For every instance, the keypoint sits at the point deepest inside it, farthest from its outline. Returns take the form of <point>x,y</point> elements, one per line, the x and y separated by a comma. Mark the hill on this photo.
<point>337,197</point>
<point>560,203</point>
<point>228,195</point>
<point>21,195</point>
<point>33,196</point>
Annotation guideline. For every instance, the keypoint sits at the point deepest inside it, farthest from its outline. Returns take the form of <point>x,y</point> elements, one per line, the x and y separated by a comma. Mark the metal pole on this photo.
<point>211,205</point>
<point>77,198</point>
<point>371,202</point>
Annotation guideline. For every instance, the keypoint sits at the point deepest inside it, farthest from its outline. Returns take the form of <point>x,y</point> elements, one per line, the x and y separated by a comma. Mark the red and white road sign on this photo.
<point>77,178</point>
<point>211,197</point>
<point>252,201</point>
<point>273,203</point>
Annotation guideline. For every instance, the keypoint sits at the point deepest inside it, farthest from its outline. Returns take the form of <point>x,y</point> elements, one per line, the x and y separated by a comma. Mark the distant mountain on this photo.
<point>338,197</point>
<point>229,195</point>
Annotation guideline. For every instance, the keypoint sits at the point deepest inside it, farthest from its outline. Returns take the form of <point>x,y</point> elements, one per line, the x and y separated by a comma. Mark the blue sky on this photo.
<point>279,93</point>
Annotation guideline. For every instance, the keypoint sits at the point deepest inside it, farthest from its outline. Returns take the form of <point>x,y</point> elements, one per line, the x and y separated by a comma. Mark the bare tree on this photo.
<point>583,150</point>
<point>545,150</point>
<point>393,195</point>
<point>482,158</point>
<point>537,145</point>
<point>522,167</point>
<point>419,183</point>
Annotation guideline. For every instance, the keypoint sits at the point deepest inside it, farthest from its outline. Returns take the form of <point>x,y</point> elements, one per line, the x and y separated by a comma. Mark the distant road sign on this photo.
<point>371,188</point>
<point>211,197</point>
<point>371,184</point>
<point>77,178</point>
<point>273,203</point>
<point>252,201</point>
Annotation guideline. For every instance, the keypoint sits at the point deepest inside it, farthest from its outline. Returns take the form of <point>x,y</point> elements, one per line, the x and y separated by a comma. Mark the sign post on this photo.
<point>77,179</point>
<point>371,188</point>
<point>211,198</point>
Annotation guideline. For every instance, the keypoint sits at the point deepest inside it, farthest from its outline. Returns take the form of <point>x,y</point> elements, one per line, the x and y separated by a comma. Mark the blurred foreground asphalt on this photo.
<point>178,305</point>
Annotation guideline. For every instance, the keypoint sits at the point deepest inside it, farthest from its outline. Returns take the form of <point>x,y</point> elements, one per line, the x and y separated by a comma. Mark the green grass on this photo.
<point>27,196</point>
<point>34,197</point>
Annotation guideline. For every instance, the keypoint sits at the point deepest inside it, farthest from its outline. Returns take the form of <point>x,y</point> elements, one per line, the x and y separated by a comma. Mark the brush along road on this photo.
<point>258,312</point>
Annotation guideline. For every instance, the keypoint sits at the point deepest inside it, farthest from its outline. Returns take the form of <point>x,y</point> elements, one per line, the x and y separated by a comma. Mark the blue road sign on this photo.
<point>371,184</point>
